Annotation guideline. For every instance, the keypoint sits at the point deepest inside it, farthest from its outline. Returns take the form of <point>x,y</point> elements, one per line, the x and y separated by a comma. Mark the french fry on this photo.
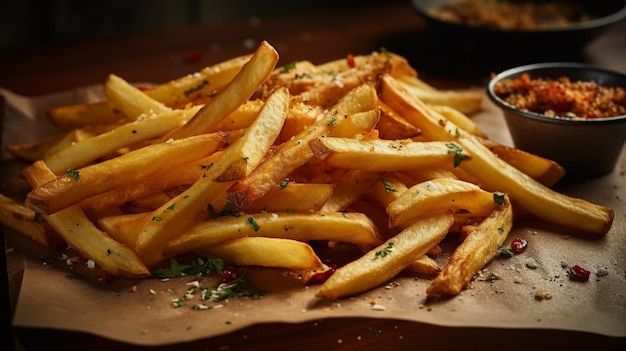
<point>351,186</point>
<point>458,118</point>
<point>354,228</point>
<point>387,260</point>
<point>69,189</point>
<point>175,93</point>
<point>467,102</point>
<point>384,155</point>
<point>235,93</point>
<point>393,127</point>
<point>295,152</point>
<point>85,151</point>
<point>22,219</point>
<point>266,252</point>
<point>477,249</point>
<point>495,173</point>
<point>89,241</point>
<point>130,100</point>
<point>167,221</point>
<point>39,150</point>
<point>438,195</point>
<point>293,197</point>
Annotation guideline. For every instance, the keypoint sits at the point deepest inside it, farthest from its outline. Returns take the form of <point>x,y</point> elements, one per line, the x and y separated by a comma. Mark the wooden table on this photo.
<point>163,55</point>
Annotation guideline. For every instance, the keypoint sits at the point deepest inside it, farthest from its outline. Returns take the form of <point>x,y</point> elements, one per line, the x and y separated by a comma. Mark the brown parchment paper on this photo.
<point>140,311</point>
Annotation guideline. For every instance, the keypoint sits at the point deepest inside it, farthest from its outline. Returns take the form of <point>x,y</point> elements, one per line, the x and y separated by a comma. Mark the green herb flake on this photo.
<point>388,187</point>
<point>37,217</point>
<point>499,198</point>
<point>501,230</point>
<point>253,224</point>
<point>72,277</point>
<point>171,207</point>
<point>458,153</point>
<point>74,174</point>
<point>504,251</point>
<point>157,218</point>
<point>245,159</point>
<point>385,251</point>
<point>197,88</point>
<point>333,121</point>
<point>178,302</point>
<point>284,183</point>
<point>241,286</point>
<point>178,269</point>
<point>288,67</point>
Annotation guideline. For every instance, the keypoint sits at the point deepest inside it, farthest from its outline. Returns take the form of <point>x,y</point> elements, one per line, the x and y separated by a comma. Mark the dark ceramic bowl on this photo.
<point>574,36</point>
<point>585,147</point>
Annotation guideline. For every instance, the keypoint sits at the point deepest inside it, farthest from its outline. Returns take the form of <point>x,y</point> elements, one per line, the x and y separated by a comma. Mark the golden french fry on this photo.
<point>387,260</point>
<point>266,252</point>
<point>293,197</point>
<point>268,125</point>
<point>351,186</point>
<point>458,118</point>
<point>175,93</point>
<point>467,102</point>
<point>130,100</point>
<point>355,228</point>
<point>235,93</point>
<point>295,152</point>
<point>385,155</point>
<point>89,241</point>
<point>495,173</point>
<point>439,195</point>
<point>387,190</point>
<point>424,266</point>
<point>393,127</point>
<point>167,221</point>
<point>39,150</point>
<point>478,248</point>
<point>85,151</point>
<point>543,170</point>
<point>77,185</point>
<point>25,221</point>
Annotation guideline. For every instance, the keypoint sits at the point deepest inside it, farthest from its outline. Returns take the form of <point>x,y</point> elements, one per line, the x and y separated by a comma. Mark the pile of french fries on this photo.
<point>251,163</point>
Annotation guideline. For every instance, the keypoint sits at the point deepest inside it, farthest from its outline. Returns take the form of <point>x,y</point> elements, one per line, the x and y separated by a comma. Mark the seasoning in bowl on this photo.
<point>562,97</point>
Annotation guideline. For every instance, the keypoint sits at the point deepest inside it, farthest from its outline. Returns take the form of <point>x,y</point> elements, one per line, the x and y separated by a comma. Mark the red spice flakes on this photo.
<point>518,245</point>
<point>562,98</point>
<point>578,273</point>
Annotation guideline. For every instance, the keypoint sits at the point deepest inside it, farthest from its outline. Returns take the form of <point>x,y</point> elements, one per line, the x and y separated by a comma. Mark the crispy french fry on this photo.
<point>467,102</point>
<point>266,252</point>
<point>354,228</point>
<point>495,173</point>
<point>39,150</point>
<point>85,151</point>
<point>295,152</point>
<point>166,222</point>
<point>459,119</point>
<point>439,195</point>
<point>543,170</point>
<point>351,186</point>
<point>25,221</point>
<point>293,197</point>
<point>77,185</point>
<point>130,100</point>
<point>235,93</point>
<point>385,155</point>
<point>89,241</point>
<point>387,260</point>
<point>393,127</point>
<point>478,248</point>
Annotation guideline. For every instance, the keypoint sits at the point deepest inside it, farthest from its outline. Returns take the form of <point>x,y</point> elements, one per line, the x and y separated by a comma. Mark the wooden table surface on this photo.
<point>163,55</point>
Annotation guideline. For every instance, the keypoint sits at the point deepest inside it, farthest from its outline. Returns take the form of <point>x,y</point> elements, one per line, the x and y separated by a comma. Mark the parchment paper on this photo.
<point>141,312</point>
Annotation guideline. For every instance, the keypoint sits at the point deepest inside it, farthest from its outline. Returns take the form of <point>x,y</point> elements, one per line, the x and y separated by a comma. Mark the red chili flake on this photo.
<point>228,274</point>
<point>321,277</point>
<point>578,273</point>
<point>142,87</point>
<point>518,245</point>
<point>193,56</point>
<point>105,276</point>
<point>351,62</point>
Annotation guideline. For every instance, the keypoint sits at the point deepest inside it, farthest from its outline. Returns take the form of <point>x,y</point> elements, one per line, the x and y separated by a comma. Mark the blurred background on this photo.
<point>28,22</point>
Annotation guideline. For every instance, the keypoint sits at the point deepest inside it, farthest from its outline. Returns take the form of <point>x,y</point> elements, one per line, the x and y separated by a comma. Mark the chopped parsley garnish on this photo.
<point>229,210</point>
<point>333,121</point>
<point>284,183</point>
<point>288,67</point>
<point>388,187</point>
<point>74,174</point>
<point>178,302</point>
<point>385,51</point>
<point>241,285</point>
<point>37,217</point>
<point>252,223</point>
<point>157,218</point>
<point>196,88</point>
<point>458,153</point>
<point>245,159</point>
<point>171,207</point>
<point>499,198</point>
<point>501,230</point>
<point>504,251</point>
<point>177,269</point>
<point>385,251</point>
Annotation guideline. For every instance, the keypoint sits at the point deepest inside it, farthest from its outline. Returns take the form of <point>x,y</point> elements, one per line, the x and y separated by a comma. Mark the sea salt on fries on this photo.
<point>250,162</point>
